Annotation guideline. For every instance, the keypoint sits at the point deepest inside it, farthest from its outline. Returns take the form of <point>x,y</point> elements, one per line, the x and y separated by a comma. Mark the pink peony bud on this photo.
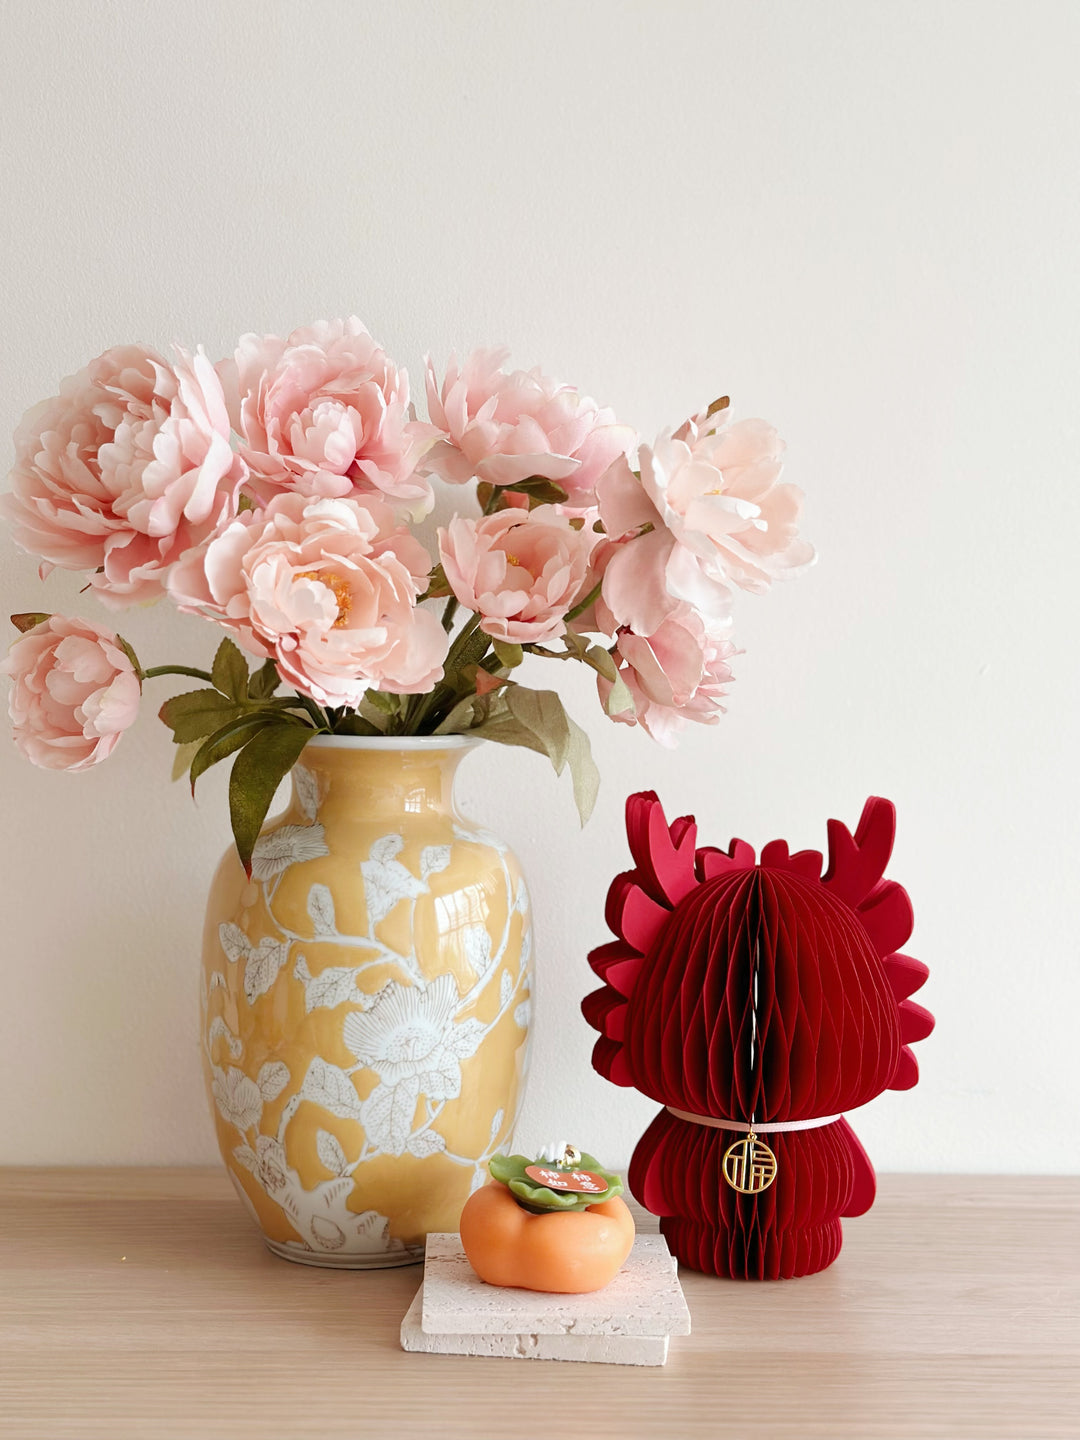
<point>74,694</point>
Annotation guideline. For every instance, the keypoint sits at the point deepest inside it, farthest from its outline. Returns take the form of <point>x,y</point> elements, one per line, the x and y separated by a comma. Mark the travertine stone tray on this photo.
<point>629,1322</point>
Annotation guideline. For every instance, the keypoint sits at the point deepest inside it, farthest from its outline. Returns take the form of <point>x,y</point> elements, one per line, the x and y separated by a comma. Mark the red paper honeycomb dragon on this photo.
<point>756,991</point>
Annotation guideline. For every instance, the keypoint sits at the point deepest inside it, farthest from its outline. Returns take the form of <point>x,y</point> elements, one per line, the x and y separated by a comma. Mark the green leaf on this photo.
<point>536,719</point>
<point>234,736</point>
<point>619,699</point>
<point>576,644</point>
<point>541,712</point>
<point>583,771</point>
<point>528,728</point>
<point>129,651</point>
<point>438,585</point>
<point>229,672</point>
<point>28,620</point>
<point>602,662</point>
<point>357,724</point>
<point>182,758</point>
<point>384,700</point>
<point>540,491</point>
<point>501,727</point>
<point>197,713</point>
<point>460,717</point>
<point>264,681</point>
<point>257,772</point>
<point>510,1170</point>
<point>510,656</point>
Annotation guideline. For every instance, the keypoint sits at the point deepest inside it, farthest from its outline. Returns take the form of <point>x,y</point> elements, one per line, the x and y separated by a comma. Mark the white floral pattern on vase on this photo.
<point>410,1039</point>
<point>330,1081</point>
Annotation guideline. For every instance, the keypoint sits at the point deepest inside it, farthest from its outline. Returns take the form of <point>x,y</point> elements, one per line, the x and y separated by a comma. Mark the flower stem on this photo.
<point>448,613</point>
<point>420,705</point>
<point>322,721</point>
<point>464,634</point>
<point>178,670</point>
<point>583,605</point>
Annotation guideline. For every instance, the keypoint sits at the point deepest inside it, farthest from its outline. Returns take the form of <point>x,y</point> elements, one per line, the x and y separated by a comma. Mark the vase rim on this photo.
<point>393,742</point>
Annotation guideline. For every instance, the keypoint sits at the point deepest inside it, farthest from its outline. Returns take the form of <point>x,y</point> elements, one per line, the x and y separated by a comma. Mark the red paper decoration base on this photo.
<point>761,991</point>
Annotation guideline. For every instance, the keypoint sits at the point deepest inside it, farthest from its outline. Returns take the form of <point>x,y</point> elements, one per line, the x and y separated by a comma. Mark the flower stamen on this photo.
<point>337,587</point>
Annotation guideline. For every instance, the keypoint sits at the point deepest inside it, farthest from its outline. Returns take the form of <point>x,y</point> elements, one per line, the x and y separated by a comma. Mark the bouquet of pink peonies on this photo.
<point>279,495</point>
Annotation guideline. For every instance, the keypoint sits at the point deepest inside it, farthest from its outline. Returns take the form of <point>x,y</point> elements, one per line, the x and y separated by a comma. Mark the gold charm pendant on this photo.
<point>749,1165</point>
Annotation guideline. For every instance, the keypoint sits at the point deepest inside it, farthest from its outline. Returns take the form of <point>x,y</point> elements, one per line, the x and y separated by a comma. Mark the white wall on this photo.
<point>861,219</point>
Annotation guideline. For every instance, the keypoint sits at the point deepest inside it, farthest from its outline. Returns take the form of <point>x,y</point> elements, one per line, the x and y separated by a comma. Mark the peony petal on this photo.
<point>635,583</point>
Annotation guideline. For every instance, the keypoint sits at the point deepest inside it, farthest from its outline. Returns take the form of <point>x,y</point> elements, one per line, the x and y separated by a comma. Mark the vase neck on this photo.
<point>379,780</point>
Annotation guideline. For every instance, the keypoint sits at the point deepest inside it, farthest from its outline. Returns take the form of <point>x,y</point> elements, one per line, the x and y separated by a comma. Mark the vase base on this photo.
<point>328,1260</point>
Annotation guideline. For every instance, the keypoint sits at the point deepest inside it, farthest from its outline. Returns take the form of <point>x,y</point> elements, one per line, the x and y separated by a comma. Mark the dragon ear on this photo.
<point>639,902</point>
<point>663,854</point>
<point>856,864</point>
<point>856,875</point>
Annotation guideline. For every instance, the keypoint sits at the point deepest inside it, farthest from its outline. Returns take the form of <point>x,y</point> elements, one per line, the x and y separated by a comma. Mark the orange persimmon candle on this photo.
<point>557,1226</point>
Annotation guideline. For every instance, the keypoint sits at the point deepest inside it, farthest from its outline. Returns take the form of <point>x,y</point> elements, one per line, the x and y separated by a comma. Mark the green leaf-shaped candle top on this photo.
<point>538,1183</point>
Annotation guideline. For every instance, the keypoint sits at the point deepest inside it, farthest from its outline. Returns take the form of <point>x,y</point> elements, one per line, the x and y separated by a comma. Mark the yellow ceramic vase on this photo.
<point>366,1005</point>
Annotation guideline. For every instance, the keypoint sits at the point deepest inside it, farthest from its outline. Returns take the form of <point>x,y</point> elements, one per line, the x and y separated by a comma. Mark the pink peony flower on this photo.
<point>325,412</point>
<point>522,570</point>
<point>326,587</point>
<point>720,518</point>
<point>503,428</point>
<point>128,467</point>
<point>75,692</point>
<point>675,675</point>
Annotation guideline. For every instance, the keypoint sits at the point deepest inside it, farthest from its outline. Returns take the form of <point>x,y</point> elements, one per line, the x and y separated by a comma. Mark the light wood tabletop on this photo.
<point>141,1303</point>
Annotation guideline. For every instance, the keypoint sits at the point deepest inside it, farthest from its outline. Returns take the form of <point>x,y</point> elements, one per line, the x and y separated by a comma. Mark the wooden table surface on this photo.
<point>141,1303</point>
